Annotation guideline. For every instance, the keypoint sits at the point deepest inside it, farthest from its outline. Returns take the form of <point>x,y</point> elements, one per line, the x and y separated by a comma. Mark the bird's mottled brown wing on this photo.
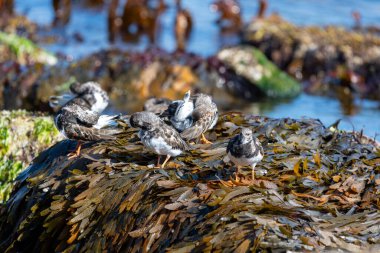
<point>76,114</point>
<point>172,137</point>
<point>84,133</point>
<point>203,118</point>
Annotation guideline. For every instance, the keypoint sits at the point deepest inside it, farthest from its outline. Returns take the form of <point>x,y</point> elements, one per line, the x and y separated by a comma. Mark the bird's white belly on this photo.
<point>100,104</point>
<point>244,161</point>
<point>159,146</point>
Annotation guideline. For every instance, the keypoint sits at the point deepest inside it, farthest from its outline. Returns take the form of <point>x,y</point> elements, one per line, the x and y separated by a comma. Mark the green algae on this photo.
<point>251,63</point>
<point>23,135</point>
<point>25,50</point>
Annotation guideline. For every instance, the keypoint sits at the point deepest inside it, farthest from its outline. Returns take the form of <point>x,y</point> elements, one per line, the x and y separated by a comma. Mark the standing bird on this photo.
<point>204,116</point>
<point>245,150</point>
<point>183,26</point>
<point>79,115</point>
<point>158,137</point>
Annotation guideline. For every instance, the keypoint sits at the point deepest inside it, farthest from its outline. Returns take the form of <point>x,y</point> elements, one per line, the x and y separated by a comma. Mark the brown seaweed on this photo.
<point>319,190</point>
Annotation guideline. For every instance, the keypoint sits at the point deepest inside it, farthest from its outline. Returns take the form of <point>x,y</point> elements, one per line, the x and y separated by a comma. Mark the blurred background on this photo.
<point>279,58</point>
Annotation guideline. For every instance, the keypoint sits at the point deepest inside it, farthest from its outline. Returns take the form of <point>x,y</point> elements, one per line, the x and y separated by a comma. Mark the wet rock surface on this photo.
<point>317,189</point>
<point>248,62</point>
<point>133,76</point>
<point>328,58</point>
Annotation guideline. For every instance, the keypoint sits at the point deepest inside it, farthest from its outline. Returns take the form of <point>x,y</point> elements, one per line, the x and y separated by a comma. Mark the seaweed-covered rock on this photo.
<point>326,57</point>
<point>317,189</point>
<point>23,136</point>
<point>252,64</point>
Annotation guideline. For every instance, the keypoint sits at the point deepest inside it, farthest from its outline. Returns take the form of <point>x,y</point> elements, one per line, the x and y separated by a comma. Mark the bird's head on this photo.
<point>143,120</point>
<point>246,134</point>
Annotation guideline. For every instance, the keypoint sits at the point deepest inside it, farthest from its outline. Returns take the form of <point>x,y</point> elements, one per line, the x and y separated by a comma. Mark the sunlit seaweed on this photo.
<point>318,189</point>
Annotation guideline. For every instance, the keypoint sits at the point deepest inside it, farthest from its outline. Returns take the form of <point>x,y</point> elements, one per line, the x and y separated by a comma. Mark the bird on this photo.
<point>180,113</point>
<point>176,113</point>
<point>157,136</point>
<point>76,122</point>
<point>204,117</point>
<point>93,96</point>
<point>79,115</point>
<point>245,149</point>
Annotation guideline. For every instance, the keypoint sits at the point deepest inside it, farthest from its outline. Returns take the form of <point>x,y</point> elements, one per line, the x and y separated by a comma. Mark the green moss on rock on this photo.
<point>251,63</point>
<point>25,50</point>
<point>23,136</point>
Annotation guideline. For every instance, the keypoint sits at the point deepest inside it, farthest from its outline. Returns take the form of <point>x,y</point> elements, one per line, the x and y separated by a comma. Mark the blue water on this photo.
<point>206,40</point>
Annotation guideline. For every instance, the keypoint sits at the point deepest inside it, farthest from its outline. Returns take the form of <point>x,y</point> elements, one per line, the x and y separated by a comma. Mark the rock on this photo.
<point>23,136</point>
<point>111,199</point>
<point>252,64</point>
<point>25,51</point>
<point>135,76</point>
<point>327,57</point>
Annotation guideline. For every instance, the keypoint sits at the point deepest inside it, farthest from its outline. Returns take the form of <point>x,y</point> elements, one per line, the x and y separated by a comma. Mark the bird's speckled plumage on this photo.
<point>80,119</point>
<point>157,136</point>
<point>89,95</point>
<point>245,149</point>
<point>182,118</point>
<point>78,123</point>
<point>92,93</point>
<point>157,105</point>
<point>205,116</point>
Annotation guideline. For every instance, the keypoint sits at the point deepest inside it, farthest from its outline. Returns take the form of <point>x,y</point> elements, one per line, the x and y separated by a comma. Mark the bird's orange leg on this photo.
<point>237,174</point>
<point>204,140</point>
<point>166,160</point>
<point>158,162</point>
<point>76,152</point>
<point>253,172</point>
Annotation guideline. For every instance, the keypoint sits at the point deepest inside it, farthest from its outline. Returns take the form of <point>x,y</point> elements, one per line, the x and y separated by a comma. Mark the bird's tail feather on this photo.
<point>107,121</point>
<point>94,134</point>
<point>191,133</point>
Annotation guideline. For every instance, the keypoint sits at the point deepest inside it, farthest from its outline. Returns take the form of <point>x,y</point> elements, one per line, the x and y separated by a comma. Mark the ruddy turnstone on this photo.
<point>77,122</point>
<point>79,116</point>
<point>204,116</point>
<point>91,93</point>
<point>158,137</point>
<point>245,150</point>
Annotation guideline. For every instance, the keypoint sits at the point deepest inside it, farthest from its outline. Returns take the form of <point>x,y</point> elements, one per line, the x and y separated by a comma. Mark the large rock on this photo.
<point>252,64</point>
<point>23,136</point>
<point>327,57</point>
<point>317,189</point>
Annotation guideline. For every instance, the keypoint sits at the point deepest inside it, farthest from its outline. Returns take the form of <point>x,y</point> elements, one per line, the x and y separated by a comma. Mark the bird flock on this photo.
<point>166,128</point>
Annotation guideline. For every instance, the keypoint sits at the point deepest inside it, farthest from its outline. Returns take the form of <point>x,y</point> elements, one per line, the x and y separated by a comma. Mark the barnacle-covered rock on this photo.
<point>316,189</point>
<point>326,57</point>
<point>23,136</point>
